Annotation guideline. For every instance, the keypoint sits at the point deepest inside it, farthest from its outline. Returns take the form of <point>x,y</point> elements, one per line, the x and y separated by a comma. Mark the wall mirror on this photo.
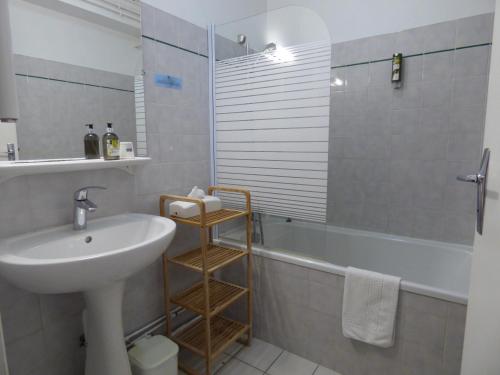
<point>76,63</point>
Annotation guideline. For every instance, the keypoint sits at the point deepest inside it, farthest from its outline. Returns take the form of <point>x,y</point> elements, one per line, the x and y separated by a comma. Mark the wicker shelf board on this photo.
<point>212,218</point>
<point>223,333</point>
<point>221,296</point>
<point>217,257</point>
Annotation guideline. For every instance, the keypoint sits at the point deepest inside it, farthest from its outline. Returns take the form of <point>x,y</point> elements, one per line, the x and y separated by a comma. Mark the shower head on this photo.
<point>270,47</point>
<point>242,38</point>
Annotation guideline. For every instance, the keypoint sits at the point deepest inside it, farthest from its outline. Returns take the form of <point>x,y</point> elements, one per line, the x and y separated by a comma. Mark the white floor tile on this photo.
<point>325,371</point>
<point>198,363</point>
<point>235,367</point>
<point>291,364</point>
<point>260,354</point>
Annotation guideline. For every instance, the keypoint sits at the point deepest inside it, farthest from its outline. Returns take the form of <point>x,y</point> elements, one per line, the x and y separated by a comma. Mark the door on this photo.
<point>481,355</point>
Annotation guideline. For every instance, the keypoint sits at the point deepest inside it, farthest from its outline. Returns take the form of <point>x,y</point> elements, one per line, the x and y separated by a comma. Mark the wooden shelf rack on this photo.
<point>211,333</point>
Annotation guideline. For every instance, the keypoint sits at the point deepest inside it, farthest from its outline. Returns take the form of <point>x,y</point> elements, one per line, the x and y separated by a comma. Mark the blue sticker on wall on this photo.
<point>169,82</point>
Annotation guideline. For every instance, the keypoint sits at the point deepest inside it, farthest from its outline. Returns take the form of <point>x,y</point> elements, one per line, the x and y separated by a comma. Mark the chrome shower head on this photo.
<point>242,38</point>
<point>270,47</point>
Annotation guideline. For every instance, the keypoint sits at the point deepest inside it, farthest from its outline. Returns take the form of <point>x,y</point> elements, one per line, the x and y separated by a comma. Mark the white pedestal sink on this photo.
<point>95,261</point>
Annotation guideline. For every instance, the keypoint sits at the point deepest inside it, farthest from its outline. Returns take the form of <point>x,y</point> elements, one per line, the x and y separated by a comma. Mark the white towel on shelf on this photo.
<point>188,209</point>
<point>197,193</point>
<point>369,307</point>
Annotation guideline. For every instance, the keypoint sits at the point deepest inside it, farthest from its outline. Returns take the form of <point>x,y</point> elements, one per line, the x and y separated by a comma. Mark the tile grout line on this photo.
<point>412,55</point>
<point>174,46</point>
<point>273,362</point>
<point>27,75</point>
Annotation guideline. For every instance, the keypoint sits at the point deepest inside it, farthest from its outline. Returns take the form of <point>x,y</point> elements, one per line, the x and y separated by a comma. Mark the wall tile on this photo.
<point>436,94</point>
<point>380,74</point>
<point>464,147</point>
<point>460,228</point>
<point>410,96</point>
<point>439,36</point>
<point>430,131</point>
<point>411,41</point>
<point>374,217</point>
<point>356,77</point>
<point>26,354</point>
<point>470,91</point>
<point>467,119</point>
<point>438,67</point>
<point>429,224</point>
<point>401,221</point>
<point>405,121</point>
<point>474,30</point>
<point>472,62</point>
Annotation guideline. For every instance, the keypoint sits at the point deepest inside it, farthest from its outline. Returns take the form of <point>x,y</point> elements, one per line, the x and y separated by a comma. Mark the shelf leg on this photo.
<point>249,274</point>
<point>208,341</point>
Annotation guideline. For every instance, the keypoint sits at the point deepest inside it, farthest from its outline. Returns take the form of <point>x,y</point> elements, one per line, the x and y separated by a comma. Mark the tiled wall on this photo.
<point>53,113</point>
<point>300,309</point>
<point>42,331</point>
<point>394,154</point>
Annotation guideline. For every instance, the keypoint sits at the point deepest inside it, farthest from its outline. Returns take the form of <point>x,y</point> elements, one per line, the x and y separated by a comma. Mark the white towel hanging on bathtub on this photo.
<point>369,307</point>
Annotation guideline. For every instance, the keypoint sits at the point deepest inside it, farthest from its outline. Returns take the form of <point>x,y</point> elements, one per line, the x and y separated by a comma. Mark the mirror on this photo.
<point>76,63</point>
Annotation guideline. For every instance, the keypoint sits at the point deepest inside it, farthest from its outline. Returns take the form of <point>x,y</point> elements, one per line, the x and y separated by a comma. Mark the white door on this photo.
<point>481,355</point>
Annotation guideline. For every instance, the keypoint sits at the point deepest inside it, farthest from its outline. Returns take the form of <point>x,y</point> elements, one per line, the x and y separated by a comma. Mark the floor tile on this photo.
<point>325,371</point>
<point>260,354</point>
<point>235,367</point>
<point>198,363</point>
<point>234,348</point>
<point>291,364</point>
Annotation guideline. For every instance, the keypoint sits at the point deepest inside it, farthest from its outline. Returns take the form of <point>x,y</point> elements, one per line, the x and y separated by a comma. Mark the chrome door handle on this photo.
<point>480,180</point>
<point>468,178</point>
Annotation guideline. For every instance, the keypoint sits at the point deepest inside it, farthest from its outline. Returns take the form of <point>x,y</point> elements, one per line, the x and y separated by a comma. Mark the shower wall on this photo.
<point>394,153</point>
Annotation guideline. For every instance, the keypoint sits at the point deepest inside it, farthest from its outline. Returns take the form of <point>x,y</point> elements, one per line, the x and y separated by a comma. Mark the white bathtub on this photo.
<point>431,268</point>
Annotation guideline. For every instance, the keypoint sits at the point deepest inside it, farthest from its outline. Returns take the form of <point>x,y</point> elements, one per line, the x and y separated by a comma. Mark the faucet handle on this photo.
<point>81,194</point>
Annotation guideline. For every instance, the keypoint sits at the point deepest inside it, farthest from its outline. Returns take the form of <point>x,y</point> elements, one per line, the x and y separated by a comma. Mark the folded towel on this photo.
<point>188,209</point>
<point>369,307</point>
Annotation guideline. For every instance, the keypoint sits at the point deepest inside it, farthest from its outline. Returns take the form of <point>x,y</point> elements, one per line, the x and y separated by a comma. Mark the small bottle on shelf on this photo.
<point>91,143</point>
<point>110,144</point>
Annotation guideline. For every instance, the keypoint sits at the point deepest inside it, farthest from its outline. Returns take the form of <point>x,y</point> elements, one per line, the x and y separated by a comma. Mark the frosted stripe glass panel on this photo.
<point>272,125</point>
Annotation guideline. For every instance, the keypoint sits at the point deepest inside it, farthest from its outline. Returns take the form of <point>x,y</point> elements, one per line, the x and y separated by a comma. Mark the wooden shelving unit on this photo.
<point>210,333</point>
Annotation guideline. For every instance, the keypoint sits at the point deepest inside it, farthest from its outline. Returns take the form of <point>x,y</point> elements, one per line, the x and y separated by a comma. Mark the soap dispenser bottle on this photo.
<point>110,144</point>
<point>91,143</point>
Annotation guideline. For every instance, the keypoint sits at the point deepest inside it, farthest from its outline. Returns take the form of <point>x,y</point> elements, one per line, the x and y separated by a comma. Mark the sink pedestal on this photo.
<point>106,350</point>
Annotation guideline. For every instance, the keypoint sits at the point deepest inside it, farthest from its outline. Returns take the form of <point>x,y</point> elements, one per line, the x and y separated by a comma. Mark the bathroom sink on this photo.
<point>61,260</point>
<point>95,261</point>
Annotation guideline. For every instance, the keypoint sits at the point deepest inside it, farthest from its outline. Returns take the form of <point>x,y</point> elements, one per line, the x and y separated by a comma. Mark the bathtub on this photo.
<point>430,268</point>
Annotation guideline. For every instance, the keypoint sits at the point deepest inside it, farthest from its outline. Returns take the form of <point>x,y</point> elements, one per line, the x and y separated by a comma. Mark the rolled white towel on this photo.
<point>188,209</point>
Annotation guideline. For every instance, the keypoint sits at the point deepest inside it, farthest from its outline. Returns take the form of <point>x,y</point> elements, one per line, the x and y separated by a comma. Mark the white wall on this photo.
<point>295,25</point>
<point>46,34</point>
<point>353,19</point>
<point>203,12</point>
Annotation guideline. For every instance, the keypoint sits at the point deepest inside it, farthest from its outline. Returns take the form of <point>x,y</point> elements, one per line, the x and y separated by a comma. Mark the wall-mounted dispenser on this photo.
<point>397,70</point>
<point>9,110</point>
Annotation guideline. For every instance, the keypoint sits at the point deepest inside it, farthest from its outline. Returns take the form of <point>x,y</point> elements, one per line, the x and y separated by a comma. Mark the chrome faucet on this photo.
<point>82,205</point>
<point>11,151</point>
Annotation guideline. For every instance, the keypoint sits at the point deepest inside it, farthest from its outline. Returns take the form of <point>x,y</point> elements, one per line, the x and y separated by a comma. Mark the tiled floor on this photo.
<point>265,359</point>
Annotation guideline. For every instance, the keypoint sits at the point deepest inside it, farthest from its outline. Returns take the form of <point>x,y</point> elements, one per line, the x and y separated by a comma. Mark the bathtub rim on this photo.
<point>321,265</point>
